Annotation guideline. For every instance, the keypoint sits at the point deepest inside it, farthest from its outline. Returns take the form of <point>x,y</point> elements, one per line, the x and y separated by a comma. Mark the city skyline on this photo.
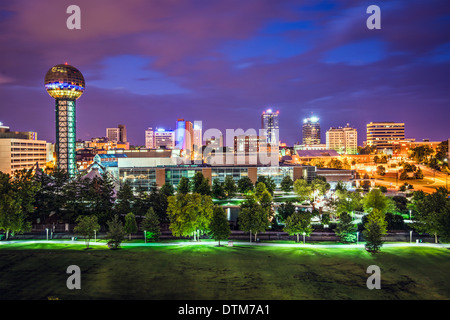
<point>224,64</point>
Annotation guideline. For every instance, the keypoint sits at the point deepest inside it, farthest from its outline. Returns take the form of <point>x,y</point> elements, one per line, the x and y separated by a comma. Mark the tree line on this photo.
<point>189,210</point>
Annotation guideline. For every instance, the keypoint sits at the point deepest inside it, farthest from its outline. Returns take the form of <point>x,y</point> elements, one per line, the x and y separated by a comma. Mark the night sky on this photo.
<point>147,63</point>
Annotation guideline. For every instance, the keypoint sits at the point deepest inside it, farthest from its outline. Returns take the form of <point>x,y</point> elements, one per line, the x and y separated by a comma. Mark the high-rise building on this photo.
<point>269,123</point>
<point>65,84</point>
<point>150,138</point>
<point>164,138</point>
<point>22,150</point>
<point>118,134</point>
<point>343,140</point>
<point>382,135</point>
<point>250,144</point>
<point>184,135</point>
<point>197,133</point>
<point>311,131</point>
<point>159,138</point>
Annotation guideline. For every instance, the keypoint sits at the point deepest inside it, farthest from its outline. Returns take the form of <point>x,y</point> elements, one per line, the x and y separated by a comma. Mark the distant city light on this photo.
<point>314,119</point>
<point>160,129</point>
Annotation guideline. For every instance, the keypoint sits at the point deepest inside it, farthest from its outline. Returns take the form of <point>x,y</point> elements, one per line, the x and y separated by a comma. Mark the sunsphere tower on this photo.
<point>65,84</point>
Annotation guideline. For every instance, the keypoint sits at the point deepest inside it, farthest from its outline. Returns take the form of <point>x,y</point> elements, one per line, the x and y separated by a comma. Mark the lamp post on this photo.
<point>410,236</point>
<point>357,237</point>
<point>95,235</point>
<point>304,237</point>
<point>145,236</point>
<point>46,229</point>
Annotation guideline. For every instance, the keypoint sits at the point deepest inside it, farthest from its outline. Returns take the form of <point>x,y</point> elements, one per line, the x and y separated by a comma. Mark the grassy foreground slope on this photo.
<point>208,272</point>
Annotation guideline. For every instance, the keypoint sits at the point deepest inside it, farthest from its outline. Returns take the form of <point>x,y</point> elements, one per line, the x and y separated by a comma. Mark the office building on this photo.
<point>159,138</point>
<point>269,123</point>
<point>184,136</point>
<point>311,131</point>
<point>21,150</point>
<point>343,140</point>
<point>118,134</point>
<point>383,135</point>
<point>197,135</point>
<point>250,144</point>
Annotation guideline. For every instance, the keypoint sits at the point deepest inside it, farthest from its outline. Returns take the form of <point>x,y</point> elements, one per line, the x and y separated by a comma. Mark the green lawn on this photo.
<point>38,271</point>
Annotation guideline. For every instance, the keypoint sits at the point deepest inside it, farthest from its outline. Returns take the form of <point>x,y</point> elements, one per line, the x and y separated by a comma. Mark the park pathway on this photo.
<point>225,243</point>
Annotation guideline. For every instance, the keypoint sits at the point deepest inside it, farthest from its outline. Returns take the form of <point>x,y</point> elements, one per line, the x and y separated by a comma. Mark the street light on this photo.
<point>304,237</point>
<point>145,236</point>
<point>357,237</point>
<point>46,229</point>
<point>410,236</point>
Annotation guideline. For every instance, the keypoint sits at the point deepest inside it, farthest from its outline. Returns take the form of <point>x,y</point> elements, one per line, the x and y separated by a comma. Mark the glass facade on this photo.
<point>173,175</point>
<point>236,172</point>
<point>276,173</point>
<point>143,178</point>
<point>146,177</point>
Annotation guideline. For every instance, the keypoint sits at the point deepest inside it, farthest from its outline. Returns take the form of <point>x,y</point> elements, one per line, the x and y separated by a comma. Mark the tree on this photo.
<point>319,187</point>
<point>116,233</point>
<point>189,214</point>
<point>418,174</point>
<point>349,202</point>
<point>151,225</point>
<point>340,187</point>
<point>219,229</point>
<point>375,228</point>
<point>125,199</point>
<point>165,192</point>
<point>394,221</point>
<point>245,185</point>
<point>297,223</point>
<point>286,184</point>
<point>268,182</point>
<point>167,189</point>
<point>375,199</point>
<point>381,170</point>
<point>265,199</point>
<point>260,189</point>
<point>130,224</point>
<point>421,153</point>
<point>229,187</point>
<point>302,189</point>
<point>252,216</point>
<point>346,229</point>
<point>51,198</point>
<point>217,189</point>
<point>12,217</point>
<point>86,227</point>
<point>431,213</point>
<point>183,186</point>
<point>403,175</point>
<point>200,184</point>
<point>16,201</point>
<point>285,210</point>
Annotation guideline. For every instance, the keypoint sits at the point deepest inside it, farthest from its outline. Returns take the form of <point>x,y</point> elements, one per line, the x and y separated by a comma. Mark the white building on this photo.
<point>343,140</point>
<point>18,154</point>
<point>159,138</point>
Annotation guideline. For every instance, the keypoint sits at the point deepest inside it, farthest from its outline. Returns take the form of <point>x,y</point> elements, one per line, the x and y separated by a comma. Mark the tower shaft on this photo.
<point>66,135</point>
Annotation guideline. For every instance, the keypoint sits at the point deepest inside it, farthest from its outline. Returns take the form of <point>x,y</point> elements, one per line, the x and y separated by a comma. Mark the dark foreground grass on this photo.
<point>208,272</point>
